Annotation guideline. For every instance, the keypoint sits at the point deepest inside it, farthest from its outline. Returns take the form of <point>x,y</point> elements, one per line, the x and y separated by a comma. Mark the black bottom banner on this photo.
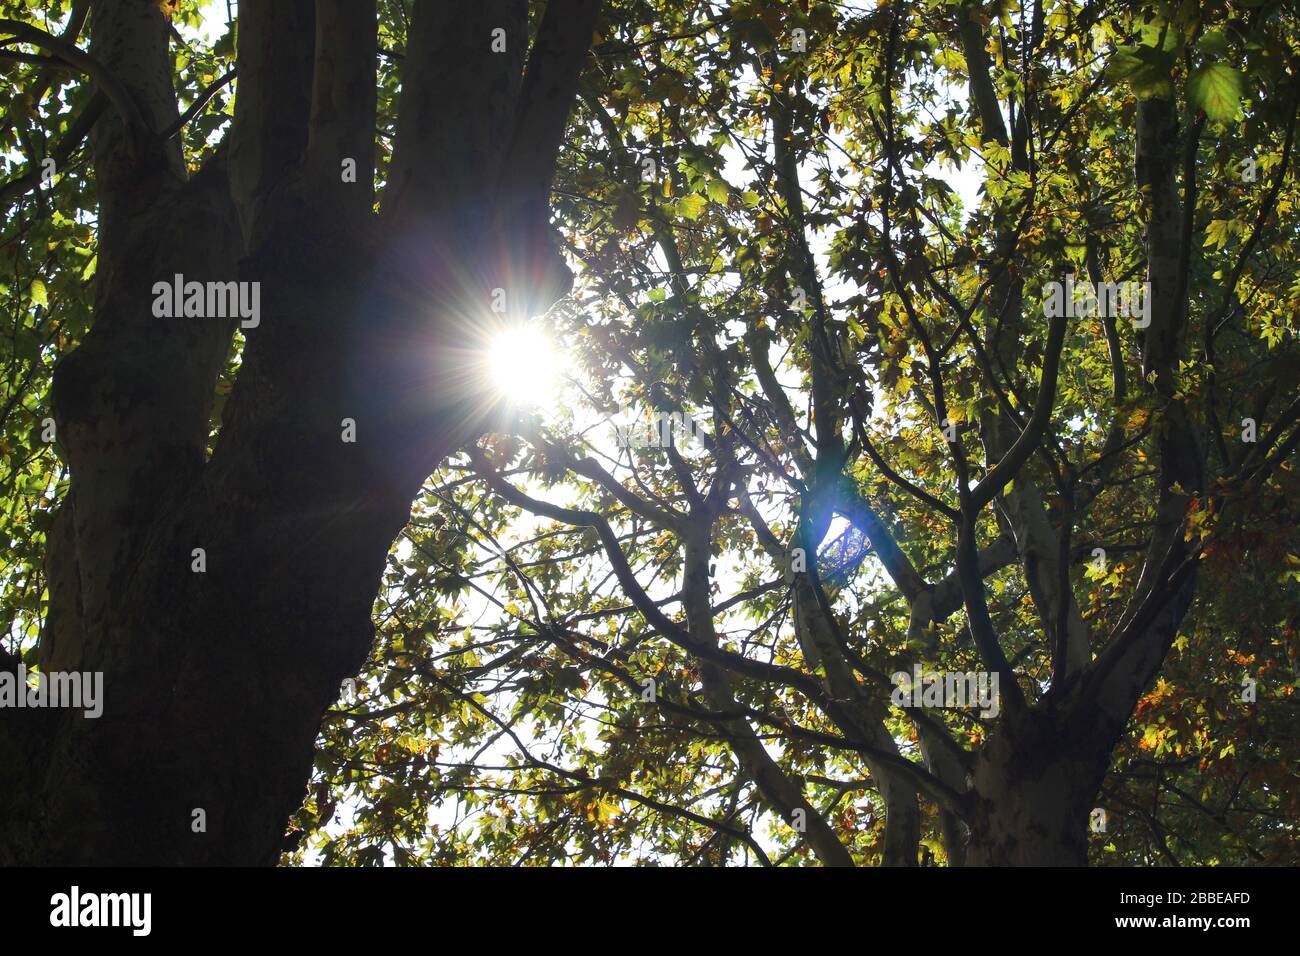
<point>974,906</point>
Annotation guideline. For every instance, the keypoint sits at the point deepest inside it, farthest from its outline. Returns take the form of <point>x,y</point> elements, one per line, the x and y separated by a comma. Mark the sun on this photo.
<point>524,366</point>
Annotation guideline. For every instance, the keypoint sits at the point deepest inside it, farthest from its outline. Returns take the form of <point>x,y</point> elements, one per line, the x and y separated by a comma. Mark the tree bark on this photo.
<point>1034,783</point>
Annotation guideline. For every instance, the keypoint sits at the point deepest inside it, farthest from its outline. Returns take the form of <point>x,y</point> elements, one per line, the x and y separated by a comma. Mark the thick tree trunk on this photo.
<point>216,677</point>
<point>216,681</point>
<point>1030,823</point>
<point>1034,787</point>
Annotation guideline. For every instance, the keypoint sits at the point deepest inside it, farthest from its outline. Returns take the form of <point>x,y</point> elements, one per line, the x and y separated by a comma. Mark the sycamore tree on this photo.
<point>757,432</point>
<point>215,561</point>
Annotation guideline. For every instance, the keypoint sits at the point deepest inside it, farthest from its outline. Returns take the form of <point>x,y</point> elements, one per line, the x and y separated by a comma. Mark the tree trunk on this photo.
<point>1033,794</point>
<point>217,669</point>
<point>216,680</point>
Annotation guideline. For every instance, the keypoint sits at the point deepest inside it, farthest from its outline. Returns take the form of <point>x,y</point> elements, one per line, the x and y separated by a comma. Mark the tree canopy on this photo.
<point>825,404</point>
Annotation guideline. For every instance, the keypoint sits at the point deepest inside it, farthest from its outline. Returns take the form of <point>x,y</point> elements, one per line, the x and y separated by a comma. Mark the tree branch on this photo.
<point>117,94</point>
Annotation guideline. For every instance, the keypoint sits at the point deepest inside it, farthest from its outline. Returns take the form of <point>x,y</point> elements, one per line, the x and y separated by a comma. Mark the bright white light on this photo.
<point>838,525</point>
<point>524,365</point>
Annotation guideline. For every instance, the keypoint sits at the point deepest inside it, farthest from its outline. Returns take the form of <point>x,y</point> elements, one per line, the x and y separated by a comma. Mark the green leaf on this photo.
<point>1219,231</point>
<point>690,206</point>
<point>39,295</point>
<point>1145,69</point>
<point>1217,89</point>
<point>1215,43</point>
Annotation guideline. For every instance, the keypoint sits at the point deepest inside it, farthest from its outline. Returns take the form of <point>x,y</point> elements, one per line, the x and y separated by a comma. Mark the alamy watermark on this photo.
<point>1132,300</point>
<point>76,909</point>
<point>658,430</point>
<point>73,689</point>
<point>208,300</point>
<point>947,689</point>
